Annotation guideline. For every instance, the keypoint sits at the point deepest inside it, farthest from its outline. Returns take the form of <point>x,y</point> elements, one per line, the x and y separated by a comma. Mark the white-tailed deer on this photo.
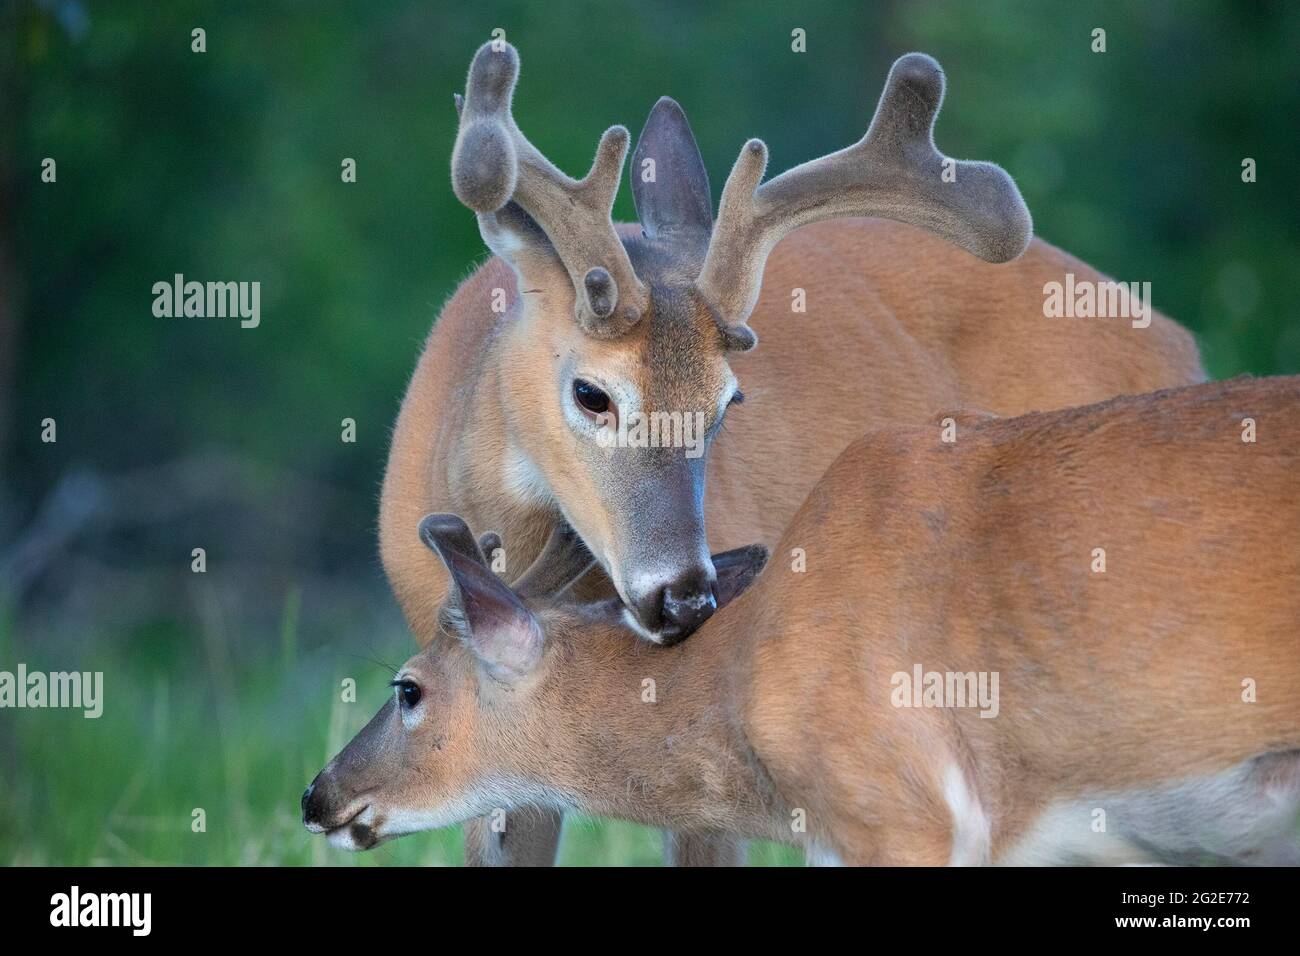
<point>1066,637</point>
<point>580,327</point>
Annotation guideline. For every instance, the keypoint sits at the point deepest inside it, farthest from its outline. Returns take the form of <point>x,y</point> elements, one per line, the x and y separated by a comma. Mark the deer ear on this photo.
<point>736,571</point>
<point>676,199</point>
<point>488,617</point>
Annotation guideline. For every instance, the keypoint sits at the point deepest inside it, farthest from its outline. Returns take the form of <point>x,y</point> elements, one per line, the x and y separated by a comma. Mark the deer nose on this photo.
<point>686,605</point>
<point>313,806</point>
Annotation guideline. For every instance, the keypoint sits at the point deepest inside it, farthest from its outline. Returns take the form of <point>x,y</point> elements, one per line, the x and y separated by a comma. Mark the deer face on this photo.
<point>616,373</point>
<point>623,336</point>
<point>408,769</point>
<point>477,718</point>
<point>616,433</point>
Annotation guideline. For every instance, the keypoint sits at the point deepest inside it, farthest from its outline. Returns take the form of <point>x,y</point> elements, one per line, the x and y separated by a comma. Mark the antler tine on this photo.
<point>493,163</point>
<point>488,543</point>
<point>894,172</point>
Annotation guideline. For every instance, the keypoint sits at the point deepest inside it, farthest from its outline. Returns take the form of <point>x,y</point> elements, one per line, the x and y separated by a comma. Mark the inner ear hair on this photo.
<point>563,560</point>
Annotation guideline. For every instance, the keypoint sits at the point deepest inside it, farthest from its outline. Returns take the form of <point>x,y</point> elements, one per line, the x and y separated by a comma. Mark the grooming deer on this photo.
<point>1149,711</point>
<point>506,418</point>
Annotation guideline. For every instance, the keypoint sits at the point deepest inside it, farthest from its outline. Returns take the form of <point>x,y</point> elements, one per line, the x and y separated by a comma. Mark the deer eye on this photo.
<point>408,692</point>
<point>590,397</point>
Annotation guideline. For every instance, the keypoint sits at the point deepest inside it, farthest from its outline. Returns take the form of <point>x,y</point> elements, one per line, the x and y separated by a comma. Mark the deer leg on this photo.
<point>703,849</point>
<point>530,838</point>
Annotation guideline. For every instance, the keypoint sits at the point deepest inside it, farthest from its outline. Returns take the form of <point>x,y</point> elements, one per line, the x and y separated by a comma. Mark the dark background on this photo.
<point>223,688</point>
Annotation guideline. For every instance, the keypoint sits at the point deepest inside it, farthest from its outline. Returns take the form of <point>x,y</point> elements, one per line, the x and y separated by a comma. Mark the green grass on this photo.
<point>236,728</point>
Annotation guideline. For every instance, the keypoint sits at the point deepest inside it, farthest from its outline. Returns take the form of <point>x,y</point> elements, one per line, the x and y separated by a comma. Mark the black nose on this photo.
<point>311,810</point>
<point>686,605</point>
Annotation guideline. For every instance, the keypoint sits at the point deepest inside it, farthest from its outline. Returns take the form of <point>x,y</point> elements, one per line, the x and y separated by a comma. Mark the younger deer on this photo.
<point>1065,637</point>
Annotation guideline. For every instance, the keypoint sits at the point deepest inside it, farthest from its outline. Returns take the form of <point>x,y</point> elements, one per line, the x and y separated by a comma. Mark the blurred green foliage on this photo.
<point>225,165</point>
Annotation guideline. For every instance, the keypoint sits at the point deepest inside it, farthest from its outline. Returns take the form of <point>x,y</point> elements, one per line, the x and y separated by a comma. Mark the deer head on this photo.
<point>496,713</point>
<point>622,337</point>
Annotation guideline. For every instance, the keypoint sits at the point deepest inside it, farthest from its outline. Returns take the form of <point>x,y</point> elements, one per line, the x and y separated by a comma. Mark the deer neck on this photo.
<point>652,734</point>
<point>492,482</point>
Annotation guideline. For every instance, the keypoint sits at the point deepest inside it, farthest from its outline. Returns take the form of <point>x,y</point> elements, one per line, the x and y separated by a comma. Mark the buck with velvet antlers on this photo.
<point>506,417</point>
<point>1148,712</point>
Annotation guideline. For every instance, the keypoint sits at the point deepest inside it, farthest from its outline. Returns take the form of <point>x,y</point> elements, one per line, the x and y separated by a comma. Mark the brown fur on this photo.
<point>966,556</point>
<point>899,325</point>
<point>493,428</point>
<point>977,556</point>
<point>881,342</point>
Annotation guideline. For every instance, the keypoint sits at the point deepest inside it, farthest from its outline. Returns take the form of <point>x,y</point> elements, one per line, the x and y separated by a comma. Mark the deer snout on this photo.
<point>671,611</point>
<point>316,812</point>
<point>686,606</point>
<point>325,809</point>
